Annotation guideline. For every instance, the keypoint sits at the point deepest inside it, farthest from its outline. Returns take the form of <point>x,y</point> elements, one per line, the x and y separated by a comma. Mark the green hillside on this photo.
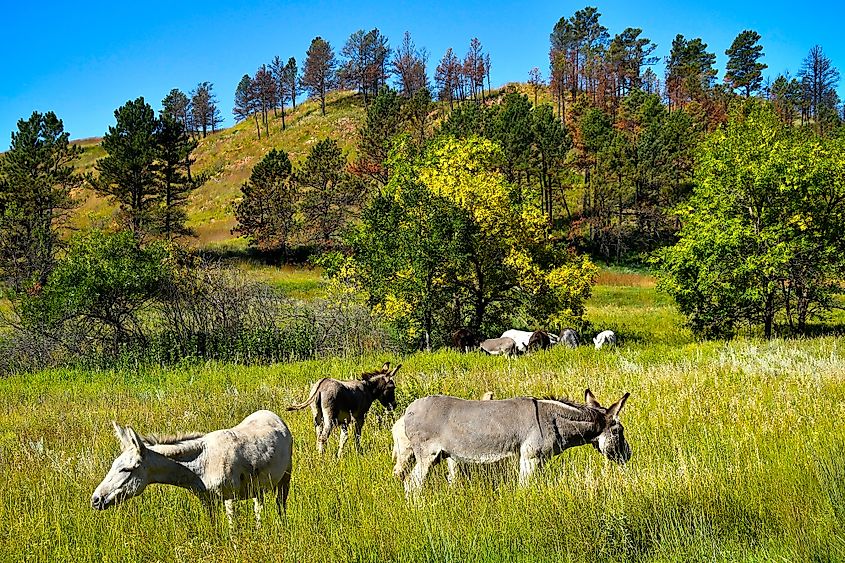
<point>228,157</point>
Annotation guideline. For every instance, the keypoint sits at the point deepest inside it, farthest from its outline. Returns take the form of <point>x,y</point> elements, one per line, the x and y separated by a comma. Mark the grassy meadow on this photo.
<point>739,455</point>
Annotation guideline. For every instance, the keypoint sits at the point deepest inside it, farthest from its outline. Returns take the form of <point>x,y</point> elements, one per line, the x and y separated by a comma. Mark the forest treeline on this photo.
<point>463,206</point>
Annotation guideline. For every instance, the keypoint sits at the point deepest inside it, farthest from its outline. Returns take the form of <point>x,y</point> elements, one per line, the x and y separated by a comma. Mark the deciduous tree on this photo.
<point>761,240</point>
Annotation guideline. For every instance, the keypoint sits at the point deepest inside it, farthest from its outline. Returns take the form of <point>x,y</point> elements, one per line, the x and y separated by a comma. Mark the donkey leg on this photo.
<point>257,507</point>
<point>230,514</point>
<point>282,490</point>
<point>359,427</point>
<point>344,435</point>
<point>403,453</point>
<point>328,424</point>
<point>528,463</point>
<point>452,476</point>
<point>424,463</point>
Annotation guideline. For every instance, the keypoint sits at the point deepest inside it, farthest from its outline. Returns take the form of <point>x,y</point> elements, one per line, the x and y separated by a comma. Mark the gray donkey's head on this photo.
<point>128,476</point>
<point>382,386</point>
<point>611,442</point>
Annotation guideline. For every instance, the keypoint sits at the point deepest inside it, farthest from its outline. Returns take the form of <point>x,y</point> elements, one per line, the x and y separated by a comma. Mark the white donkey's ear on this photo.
<point>121,435</point>
<point>386,367</point>
<point>393,372</point>
<point>135,440</point>
<point>590,399</point>
<point>128,437</point>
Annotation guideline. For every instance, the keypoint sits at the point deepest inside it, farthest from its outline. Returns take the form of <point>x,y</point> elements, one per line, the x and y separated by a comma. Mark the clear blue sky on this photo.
<point>85,59</point>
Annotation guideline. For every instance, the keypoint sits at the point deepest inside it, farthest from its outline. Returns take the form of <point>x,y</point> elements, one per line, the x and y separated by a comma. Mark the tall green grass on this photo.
<point>738,456</point>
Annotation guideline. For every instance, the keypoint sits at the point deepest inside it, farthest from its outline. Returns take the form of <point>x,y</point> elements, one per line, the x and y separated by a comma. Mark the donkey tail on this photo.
<point>310,399</point>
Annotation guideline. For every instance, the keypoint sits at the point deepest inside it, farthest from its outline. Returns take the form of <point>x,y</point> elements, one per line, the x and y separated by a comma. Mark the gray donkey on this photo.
<point>336,403</point>
<point>439,427</point>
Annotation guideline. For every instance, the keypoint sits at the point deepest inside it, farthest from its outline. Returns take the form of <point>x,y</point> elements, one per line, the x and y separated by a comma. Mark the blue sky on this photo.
<point>85,59</point>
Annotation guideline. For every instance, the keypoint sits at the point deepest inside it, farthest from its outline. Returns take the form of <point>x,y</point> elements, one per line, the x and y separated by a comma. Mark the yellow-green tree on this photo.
<point>448,244</point>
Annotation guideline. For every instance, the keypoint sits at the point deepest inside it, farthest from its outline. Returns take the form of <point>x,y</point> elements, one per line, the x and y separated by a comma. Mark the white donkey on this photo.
<point>225,465</point>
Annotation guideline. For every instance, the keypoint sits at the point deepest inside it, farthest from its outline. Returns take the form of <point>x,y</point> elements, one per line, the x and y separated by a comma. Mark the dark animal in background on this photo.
<point>499,346</point>
<point>539,341</point>
<point>569,338</point>
<point>464,340</point>
<point>337,403</point>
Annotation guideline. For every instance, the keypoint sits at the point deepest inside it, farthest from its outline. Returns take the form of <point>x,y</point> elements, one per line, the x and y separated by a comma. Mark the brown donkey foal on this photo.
<point>336,403</point>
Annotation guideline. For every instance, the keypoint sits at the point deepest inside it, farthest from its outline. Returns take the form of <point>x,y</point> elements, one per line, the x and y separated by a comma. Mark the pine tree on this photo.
<point>177,105</point>
<point>318,75</point>
<point>266,214</point>
<point>743,71</point>
<point>277,69</point>
<point>174,147</point>
<point>446,77</point>
<point>246,103</point>
<point>292,81</point>
<point>409,67</point>
<point>328,193</point>
<point>37,178</point>
<point>819,79</point>
<point>128,174</point>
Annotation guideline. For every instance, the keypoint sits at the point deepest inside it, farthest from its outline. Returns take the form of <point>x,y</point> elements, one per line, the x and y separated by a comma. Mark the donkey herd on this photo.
<point>253,458</point>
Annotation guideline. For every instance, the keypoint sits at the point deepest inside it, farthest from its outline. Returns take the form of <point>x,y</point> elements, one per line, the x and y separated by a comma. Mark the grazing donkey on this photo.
<point>569,338</point>
<point>439,427</point>
<point>225,465</point>
<point>539,340</point>
<point>521,337</point>
<point>605,338</point>
<point>336,403</point>
<point>500,347</point>
<point>464,340</point>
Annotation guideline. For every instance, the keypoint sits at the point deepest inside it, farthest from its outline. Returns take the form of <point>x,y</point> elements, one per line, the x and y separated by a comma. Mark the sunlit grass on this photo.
<point>738,455</point>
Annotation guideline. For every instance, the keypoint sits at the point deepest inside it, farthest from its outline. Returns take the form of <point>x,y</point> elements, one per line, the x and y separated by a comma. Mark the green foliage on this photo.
<point>266,213</point>
<point>318,74</point>
<point>102,284</point>
<point>689,71</point>
<point>128,173</point>
<point>173,166</point>
<point>449,244</point>
<point>761,238</point>
<point>384,121</point>
<point>36,180</point>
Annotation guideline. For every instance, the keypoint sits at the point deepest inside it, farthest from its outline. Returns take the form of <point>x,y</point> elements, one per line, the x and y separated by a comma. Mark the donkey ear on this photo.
<point>393,372</point>
<point>590,399</point>
<point>134,439</point>
<point>121,435</point>
<point>386,367</point>
<point>613,410</point>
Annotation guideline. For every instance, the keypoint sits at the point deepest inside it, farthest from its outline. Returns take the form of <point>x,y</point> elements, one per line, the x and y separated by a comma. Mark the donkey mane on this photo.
<point>367,375</point>
<point>587,412</point>
<point>170,439</point>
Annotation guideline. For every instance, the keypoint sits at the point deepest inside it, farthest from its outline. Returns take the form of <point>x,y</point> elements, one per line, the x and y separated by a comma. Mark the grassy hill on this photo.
<point>228,157</point>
